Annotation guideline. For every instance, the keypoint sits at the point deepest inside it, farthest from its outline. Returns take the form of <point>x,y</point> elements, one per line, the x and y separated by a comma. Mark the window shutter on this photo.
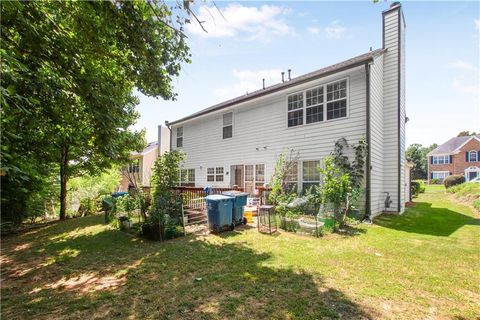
<point>467,156</point>
<point>451,159</point>
<point>431,160</point>
<point>450,173</point>
<point>478,155</point>
<point>431,175</point>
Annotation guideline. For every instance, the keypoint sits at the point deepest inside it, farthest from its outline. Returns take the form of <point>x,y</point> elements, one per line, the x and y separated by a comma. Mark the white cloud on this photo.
<point>477,24</point>
<point>461,65</point>
<point>248,81</point>
<point>466,89</point>
<point>335,31</point>
<point>313,30</point>
<point>236,19</point>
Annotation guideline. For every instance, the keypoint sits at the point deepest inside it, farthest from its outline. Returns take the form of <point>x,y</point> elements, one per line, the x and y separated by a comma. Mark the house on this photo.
<point>138,173</point>
<point>237,142</point>
<point>459,156</point>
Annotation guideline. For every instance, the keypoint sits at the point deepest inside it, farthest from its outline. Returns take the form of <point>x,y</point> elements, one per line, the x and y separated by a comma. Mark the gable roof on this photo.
<point>334,68</point>
<point>150,146</point>
<point>452,145</point>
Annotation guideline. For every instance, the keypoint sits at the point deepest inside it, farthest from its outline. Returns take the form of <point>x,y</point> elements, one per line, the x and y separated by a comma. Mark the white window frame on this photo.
<point>255,177</point>
<point>302,108</point>
<point>214,173</point>
<point>319,181</point>
<point>134,166</point>
<point>184,172</point>
<point>324,104</point>
<point>180,137</point>
<point>470,156</point>
<point>227,125</point>
<point>435,175</point>
<point>443,159</point>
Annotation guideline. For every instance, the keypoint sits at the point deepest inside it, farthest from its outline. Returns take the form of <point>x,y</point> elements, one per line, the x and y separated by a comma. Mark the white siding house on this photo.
<point>237,142</point>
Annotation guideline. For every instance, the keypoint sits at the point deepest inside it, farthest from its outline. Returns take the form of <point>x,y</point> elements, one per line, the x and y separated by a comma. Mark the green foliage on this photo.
<point>126,204</point>
<point>466,133</point>
<point>342,179</point>
<point>417,154</point>
<point>417,187</point>
<point>109,207</point>
<point>69,70</point>
<point>282,194</point>
<point>434,181</point>
<point>453,180</point>
<point>166,206</point>
<point>476,204</point>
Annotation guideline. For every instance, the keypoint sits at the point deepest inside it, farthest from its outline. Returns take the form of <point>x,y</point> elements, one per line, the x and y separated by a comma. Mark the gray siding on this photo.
<point>394,110</point>
<point>260,131</point>
<point>376,137</point>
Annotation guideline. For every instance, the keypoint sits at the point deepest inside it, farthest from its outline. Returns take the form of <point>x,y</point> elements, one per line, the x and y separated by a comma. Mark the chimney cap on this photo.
<point>396,3</point>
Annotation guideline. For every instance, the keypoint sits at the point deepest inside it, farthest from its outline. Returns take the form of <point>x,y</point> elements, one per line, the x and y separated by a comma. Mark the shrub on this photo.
<point>417,187</point>
<point>476,204</point>
<point>453,180</point>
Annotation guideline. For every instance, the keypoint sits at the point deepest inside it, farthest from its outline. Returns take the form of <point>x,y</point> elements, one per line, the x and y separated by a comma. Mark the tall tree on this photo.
<point>68,73</point>
<point>466,133</point>
<point>417,154</point>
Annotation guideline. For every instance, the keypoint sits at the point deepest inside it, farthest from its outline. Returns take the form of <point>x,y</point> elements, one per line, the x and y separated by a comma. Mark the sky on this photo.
<point>249,41</point>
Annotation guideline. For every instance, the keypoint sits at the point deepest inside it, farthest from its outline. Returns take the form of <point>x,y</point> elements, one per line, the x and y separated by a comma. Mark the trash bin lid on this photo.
<point>235,193</point>
<point>217,197</point>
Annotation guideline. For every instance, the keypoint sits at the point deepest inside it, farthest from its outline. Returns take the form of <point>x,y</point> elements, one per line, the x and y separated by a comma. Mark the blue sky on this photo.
<point>258,40</point>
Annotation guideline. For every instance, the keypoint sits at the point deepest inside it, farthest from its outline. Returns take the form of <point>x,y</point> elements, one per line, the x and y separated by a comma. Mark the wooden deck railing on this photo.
<point>193,197</point>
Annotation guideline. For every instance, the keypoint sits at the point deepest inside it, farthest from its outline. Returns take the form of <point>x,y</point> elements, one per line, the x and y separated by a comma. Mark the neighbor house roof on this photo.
<point>150,146</point>
<point>334,68</point>
<point>452,145</point>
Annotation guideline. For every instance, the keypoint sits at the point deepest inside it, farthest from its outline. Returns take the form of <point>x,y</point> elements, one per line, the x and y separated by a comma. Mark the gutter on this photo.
<point>368,210</point>
<point>168,126</point>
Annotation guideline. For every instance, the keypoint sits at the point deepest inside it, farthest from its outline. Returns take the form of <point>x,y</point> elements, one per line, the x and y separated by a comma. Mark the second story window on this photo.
<point>315,105</point>
<point>440,159</point>
<point>472,156</point>
<point>337,100</point>
<point>322,103</point>
<point>227,125</point>
<point>134,166</point>
<point>179,137</point>
<point>295,109</point>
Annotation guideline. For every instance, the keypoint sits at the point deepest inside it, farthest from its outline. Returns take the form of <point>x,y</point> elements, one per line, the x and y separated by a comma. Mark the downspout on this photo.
<point>167,124</point>
<point>368,211</point>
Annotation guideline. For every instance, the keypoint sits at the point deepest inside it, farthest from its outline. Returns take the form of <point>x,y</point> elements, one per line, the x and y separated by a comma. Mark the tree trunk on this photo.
<point>63,183</point>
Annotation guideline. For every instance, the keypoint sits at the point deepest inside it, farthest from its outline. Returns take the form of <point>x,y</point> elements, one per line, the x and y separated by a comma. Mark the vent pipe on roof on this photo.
<point>289,74</point>
<point>370,48</point>
<point>263,80</point>
<point>283,76</point>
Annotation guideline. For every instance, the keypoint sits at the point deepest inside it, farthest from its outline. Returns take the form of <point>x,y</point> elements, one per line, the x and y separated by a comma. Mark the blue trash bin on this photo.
<point>219,208</point>
<point>240,200</point>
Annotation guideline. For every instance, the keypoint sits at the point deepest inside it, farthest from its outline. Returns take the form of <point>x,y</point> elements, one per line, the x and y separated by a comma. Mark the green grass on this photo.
<point>419,265</point>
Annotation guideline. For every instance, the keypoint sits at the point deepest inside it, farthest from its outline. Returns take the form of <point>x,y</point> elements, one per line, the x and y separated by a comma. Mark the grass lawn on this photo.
<point>422,265</point>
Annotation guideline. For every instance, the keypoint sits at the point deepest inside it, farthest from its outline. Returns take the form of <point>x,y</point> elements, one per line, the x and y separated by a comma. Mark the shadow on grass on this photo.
<point>111,275</point>
<point>423,219</point>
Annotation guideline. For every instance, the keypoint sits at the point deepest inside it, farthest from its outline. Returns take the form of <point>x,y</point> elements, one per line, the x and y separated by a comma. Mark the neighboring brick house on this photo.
<point>459,155</point>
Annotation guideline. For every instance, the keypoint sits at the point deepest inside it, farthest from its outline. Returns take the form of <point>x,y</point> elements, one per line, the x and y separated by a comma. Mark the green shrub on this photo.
<point>453,180</point>
<point>417,187</point>
<point>434,181</point>
<point>476,204</point>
